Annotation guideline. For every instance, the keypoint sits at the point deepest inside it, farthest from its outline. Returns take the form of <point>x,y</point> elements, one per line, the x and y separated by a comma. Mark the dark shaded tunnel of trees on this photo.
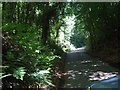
<point>31,49</point>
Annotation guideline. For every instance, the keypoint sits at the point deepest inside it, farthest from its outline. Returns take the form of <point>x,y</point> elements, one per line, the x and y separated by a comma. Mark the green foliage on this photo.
<point>19,73</point>
<point>42,77</point>
<point>100,20</point>
<point>27,42</point>
<point>26,55</point>
<point>3,74</point>
<point>78,38</point>
<point>31,35</point>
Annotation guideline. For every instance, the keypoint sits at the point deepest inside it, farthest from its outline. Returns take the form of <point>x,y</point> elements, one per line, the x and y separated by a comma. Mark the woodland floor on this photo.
<point>81,69</point>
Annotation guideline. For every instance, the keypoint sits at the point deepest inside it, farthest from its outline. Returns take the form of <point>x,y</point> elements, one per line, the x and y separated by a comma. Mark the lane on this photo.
<point>81,69</point>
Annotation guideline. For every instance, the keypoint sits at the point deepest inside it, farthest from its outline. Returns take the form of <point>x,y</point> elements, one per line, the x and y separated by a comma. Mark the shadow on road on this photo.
<point>82,70</point>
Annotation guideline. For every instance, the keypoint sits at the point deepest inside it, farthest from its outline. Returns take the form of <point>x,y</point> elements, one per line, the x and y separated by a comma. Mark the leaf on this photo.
<point>4,66</point>
<point>3,76</point>
<point>19,73</point>
<point>43,72</point>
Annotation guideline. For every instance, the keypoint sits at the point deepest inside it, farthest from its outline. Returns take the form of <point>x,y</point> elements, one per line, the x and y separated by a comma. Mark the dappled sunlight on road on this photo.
<point>99,75</point>
<point>81,70</point>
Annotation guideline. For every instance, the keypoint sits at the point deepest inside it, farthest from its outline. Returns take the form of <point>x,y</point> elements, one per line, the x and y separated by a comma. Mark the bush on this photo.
<point>25,57</point>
